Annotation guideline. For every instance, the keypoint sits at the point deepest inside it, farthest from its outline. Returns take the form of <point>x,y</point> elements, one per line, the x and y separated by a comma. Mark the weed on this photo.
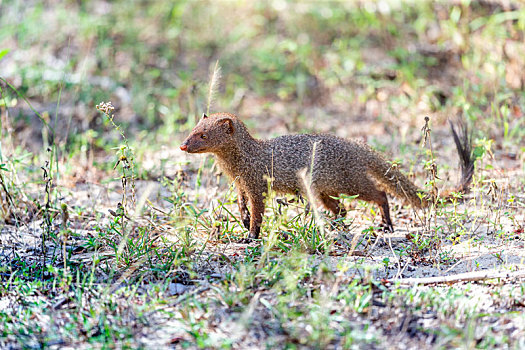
<point>125,155</point>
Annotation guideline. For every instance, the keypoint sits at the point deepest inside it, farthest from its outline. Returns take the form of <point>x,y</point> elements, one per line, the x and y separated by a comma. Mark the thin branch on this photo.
<point>462,277</point>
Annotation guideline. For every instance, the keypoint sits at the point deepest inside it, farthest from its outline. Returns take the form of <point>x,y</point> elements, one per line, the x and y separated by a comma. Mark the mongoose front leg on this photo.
<point>243,208</point>
<point>333,205</point>
<point>257,207</point>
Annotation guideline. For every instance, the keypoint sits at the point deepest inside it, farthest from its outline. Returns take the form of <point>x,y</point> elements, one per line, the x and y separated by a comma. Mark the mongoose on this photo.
<point>339,166</point>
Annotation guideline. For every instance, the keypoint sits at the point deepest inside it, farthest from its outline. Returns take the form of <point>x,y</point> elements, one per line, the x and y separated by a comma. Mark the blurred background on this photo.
<point>368,69</point>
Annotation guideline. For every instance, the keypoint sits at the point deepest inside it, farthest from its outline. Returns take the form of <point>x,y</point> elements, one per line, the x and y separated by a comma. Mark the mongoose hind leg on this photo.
<point>386,222</point>
<point>373,194</point>
<point>333,205</point>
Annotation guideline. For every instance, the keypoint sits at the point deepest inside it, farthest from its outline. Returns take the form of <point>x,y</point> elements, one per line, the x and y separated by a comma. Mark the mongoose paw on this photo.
<point>250,239</point>
<point>246,240</point>
<point>387,227</point>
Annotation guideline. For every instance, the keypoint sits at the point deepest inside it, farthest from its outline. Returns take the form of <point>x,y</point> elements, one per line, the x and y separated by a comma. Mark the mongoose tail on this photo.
<point>464,147</point>
<point>391,180</point>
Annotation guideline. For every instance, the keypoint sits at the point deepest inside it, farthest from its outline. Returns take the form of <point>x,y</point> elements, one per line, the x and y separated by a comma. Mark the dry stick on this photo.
<point>64,233</point>
<point>398,259</point>
<point>461,277</point>
<point>353,244</point>
<point>9,198</point>
<point>400,272</point>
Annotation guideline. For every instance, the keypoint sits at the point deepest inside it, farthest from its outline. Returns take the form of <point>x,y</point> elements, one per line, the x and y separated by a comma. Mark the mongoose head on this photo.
<point>212,134</point>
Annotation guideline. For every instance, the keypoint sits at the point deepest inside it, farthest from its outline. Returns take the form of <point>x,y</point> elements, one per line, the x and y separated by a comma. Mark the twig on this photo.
<point>188,295</point>
<point>398,259</point>
<point>461,277</point>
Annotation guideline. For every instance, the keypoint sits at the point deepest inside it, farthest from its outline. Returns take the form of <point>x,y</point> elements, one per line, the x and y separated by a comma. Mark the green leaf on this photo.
<point>4,52</point>
<point>479,151</point>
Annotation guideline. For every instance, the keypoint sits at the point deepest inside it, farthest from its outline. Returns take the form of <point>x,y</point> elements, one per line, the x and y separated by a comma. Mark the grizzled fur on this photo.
<point>339,167</point>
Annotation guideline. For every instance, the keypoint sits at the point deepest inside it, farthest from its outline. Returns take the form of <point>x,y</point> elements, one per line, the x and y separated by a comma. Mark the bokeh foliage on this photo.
<point>152,59</point>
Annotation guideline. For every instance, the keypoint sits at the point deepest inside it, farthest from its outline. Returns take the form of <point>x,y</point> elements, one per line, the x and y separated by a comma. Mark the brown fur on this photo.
<point>339,167</point>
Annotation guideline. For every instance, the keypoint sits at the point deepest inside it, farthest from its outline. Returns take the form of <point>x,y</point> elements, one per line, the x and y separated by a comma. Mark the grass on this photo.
<point>111,238</point>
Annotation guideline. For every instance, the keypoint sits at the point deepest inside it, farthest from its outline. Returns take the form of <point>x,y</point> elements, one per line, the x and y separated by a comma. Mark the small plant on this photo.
<point>47,219</point>
<point>125,156</point>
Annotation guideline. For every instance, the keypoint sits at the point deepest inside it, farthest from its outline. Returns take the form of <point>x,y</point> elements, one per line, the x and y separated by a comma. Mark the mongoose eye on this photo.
<point>204,136</point>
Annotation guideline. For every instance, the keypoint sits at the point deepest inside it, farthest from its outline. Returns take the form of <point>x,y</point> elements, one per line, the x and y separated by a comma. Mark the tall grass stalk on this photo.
<point>306,176</point>
<point>214,85</point>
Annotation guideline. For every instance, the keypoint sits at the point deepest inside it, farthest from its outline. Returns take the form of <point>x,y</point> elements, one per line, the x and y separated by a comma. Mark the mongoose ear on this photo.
<point>204,116</point>
<point>227,123</point>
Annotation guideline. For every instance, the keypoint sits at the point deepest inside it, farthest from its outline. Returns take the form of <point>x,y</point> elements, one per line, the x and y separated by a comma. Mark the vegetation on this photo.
<point>112,237</point>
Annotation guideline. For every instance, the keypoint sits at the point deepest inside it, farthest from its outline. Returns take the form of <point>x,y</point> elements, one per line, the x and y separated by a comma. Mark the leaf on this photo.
<point>478,152</point>
<point>3,53</point>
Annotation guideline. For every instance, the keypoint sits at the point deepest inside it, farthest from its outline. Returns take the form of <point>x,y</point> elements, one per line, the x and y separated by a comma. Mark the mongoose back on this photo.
<point>336,166</point>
